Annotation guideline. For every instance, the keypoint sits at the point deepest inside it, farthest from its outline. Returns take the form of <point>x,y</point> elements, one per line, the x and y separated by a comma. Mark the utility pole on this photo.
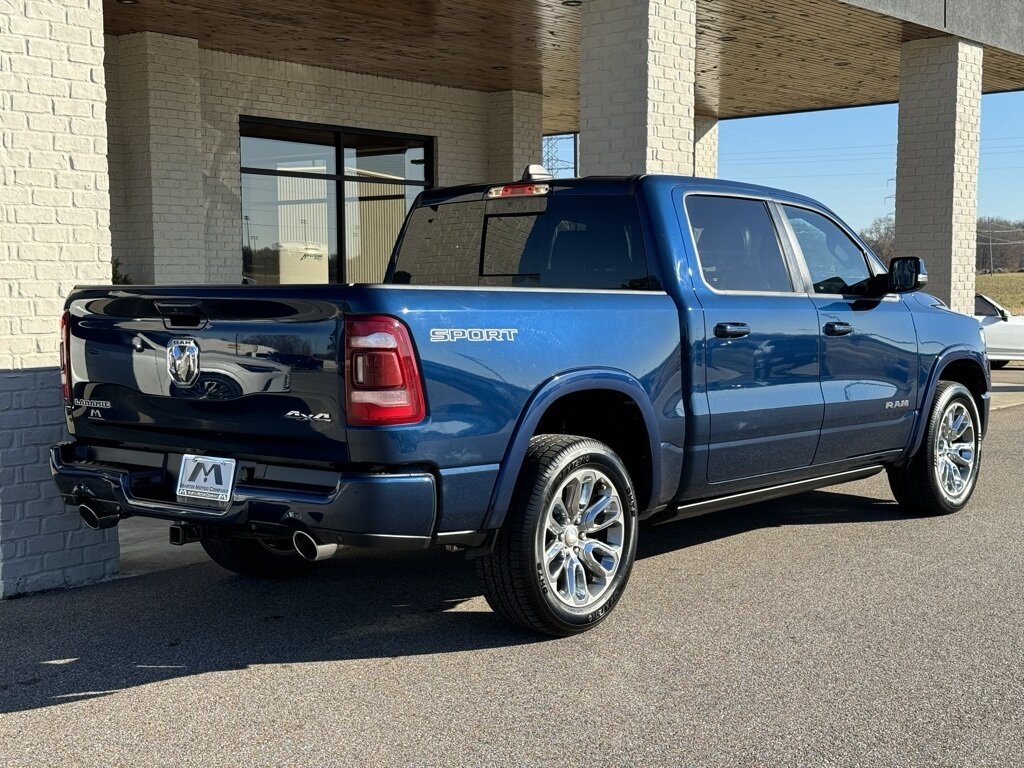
<point>991,266</point>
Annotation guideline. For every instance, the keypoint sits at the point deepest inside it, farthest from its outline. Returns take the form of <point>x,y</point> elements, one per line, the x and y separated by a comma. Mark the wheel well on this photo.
<point>615,420</point>
<point>968,373</point>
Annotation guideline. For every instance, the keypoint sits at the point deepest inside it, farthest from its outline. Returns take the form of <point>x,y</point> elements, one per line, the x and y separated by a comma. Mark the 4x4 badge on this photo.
<point>183,361</point>
<point>300,416</point>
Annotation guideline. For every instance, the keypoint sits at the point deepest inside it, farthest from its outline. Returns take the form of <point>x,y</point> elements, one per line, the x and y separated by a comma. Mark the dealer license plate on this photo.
<point>206,478</point>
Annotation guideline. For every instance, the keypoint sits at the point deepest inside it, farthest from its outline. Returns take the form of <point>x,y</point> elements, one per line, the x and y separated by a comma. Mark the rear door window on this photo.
<point>737,245</point>
<point>572,241</point>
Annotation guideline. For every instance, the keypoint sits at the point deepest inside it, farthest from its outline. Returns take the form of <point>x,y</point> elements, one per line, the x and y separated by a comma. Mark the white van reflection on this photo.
<point>224,374</point>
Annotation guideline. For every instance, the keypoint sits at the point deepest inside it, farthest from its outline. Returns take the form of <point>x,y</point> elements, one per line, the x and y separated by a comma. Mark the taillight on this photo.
<point>382,378</point>
<point>65,357</point>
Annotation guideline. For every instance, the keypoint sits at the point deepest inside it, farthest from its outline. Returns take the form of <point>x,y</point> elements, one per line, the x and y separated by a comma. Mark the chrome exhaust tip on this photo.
<point>310,548</point>
<point>96,519</point>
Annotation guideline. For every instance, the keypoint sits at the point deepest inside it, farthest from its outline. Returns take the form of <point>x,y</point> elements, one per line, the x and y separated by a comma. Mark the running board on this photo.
<point>695,508</point>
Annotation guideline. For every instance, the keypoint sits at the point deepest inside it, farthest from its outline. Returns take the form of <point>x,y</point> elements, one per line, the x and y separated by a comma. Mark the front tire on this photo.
<point>564,555</point>
<point>256,558</point>
<point>942,475</point>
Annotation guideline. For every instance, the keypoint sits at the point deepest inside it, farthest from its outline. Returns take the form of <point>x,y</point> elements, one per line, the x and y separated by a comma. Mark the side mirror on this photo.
<point>907,274</point>
<point>1004,314</point>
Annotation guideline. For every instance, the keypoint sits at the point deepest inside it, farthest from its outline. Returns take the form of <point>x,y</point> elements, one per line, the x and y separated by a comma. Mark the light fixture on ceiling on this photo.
<point>499,68</point>
<point>342,39</point>
<point>128,2</point>
<point>572,3</point>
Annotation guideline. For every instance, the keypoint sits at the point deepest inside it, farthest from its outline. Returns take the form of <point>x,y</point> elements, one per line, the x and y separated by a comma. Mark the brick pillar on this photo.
<point>937,163</point>
<point>705,146</point>
<point>54,233</point>
<point>515,131</point>
<point>637,86</point>
<point>156,145</point>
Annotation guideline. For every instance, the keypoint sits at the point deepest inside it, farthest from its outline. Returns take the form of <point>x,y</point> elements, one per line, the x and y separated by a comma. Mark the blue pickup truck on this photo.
<point>546,364</point>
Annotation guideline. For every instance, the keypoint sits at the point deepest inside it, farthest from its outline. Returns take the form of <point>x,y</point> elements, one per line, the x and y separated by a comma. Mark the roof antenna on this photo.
<point>535,172</point>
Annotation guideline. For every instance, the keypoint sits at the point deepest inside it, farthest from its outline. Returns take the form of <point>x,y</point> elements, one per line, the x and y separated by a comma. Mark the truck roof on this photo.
<point>622,185</point>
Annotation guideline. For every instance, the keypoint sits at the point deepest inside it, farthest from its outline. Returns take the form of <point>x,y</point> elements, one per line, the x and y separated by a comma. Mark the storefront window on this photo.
<point>291,212</point>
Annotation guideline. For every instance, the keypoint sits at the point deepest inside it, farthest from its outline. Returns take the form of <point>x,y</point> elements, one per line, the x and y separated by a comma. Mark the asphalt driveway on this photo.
<point>825,629</point>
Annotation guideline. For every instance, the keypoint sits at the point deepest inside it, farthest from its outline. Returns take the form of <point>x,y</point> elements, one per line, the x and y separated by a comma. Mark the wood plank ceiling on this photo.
<point>753,58</point>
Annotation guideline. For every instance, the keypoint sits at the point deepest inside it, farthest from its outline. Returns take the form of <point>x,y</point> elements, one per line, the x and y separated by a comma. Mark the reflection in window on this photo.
<point>291,212</point>
<point>835,262</point>
<point>290,229</point>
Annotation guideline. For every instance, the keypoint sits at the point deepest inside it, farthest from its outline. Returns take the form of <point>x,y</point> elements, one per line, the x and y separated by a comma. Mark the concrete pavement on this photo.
<point>825,629</point>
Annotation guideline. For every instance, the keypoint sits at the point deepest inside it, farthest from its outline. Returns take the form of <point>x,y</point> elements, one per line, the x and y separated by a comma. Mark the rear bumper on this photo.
<point>392,510</point>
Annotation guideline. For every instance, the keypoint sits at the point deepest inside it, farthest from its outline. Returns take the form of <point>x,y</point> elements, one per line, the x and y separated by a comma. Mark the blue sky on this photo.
<point>847,158</point>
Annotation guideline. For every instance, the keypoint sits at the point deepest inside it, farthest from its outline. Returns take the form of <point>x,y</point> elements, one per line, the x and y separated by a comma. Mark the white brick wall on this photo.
<point>156,150</point>
<point>937,163</point>
<point>516,133</point>
<point>637,86</point>
<point>54,233</point>
<point>705,146</point>
<point>160,78</point>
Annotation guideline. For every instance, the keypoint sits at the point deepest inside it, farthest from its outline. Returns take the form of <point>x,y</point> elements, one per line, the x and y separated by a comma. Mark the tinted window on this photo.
<point>737,244</point>
<point>546,242</point>
<point>983,308</point>
<point>836,263</point>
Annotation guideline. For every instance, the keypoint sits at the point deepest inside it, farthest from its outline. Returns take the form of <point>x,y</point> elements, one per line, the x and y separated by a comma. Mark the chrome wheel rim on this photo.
<point>580,545</point>
<point>956,451</point>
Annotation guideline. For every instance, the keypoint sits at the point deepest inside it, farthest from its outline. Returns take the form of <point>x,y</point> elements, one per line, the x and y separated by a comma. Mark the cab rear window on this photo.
<point>574,241</point>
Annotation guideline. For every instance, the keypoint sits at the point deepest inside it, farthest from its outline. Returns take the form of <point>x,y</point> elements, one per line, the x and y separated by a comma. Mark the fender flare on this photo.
<point>542,398</point>
<point>944,358</point>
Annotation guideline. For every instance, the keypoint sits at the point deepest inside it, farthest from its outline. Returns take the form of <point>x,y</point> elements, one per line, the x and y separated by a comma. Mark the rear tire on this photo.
<point>564,555</point>
<point>255,558</point>
<point>941,476</point>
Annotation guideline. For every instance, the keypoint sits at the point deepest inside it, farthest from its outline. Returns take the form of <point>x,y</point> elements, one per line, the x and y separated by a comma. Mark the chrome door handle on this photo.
<point>732,330</point>
<point>838,329</point>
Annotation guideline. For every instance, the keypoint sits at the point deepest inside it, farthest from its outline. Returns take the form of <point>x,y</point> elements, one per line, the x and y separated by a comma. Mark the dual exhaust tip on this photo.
<point>96,518</point>
<point>312,549</point>
<point>306,545</point>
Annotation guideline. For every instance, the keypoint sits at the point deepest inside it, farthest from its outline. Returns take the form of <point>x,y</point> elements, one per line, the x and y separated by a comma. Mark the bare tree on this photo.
<point>880,235</point>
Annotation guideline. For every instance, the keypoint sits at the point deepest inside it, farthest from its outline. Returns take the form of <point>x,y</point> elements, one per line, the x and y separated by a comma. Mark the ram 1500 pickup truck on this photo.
<point>547,363</point>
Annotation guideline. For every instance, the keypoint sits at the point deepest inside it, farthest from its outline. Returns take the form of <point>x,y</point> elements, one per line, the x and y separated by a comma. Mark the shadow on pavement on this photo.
<point>78,644</point>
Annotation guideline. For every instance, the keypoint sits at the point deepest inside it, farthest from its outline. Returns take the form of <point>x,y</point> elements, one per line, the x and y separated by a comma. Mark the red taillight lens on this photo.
<point>65,357</point>
<point>382,378</point>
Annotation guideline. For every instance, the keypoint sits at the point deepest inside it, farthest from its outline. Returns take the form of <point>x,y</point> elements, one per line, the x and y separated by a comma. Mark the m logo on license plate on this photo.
<point>206,478</point>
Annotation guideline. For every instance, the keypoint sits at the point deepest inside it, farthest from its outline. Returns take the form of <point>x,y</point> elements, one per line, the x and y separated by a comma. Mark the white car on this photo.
<point>1004,333</point>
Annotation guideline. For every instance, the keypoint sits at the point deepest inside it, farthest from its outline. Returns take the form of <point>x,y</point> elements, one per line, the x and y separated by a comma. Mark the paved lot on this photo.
<point>821,630</point>
<point>1008,386</point>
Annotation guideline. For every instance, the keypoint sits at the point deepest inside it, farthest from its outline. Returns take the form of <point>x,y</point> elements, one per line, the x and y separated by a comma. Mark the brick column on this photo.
<point>937,163</point>
<point>156,144</point>
<point>637,86</point>
<point>705,146</point>
<point>515,131</point>
<point>54,233</point>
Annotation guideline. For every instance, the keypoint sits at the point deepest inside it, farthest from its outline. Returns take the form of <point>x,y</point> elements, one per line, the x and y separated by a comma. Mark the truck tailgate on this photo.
<point>250,371</point>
